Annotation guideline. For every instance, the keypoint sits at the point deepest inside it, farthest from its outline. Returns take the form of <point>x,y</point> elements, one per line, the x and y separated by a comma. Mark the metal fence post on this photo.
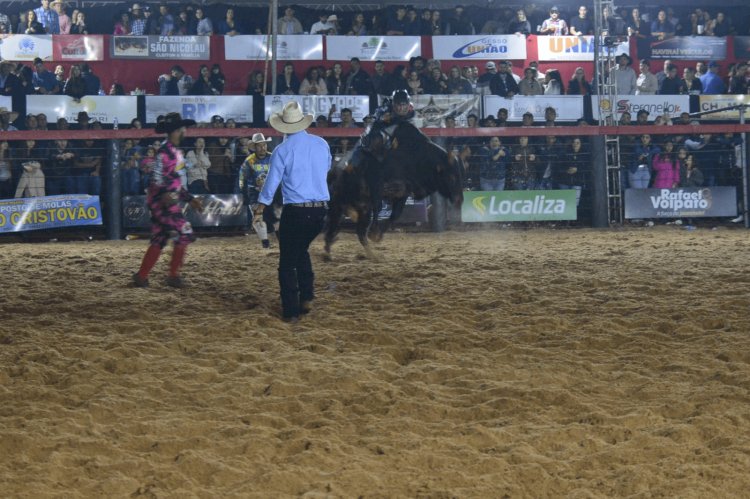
<point>599,201</point>
<point>114,191</point>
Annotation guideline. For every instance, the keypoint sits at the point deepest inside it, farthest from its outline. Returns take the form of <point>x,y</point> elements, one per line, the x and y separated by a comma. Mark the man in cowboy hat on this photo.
<point>253,173</point>
<point>300,164</point>
<point>7,117</point>
<point>623,76</point>
<point>164,195</point>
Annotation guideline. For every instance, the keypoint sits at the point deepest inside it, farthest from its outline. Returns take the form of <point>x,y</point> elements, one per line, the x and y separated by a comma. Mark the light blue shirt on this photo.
<point>300,164</point>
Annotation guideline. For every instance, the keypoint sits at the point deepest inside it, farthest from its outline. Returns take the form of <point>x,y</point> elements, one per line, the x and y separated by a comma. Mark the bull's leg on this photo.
<point>335,214</point>
<point>364,221</point>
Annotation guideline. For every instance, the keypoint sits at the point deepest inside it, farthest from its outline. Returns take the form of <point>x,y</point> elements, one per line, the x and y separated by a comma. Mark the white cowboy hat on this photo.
<point>332,18</point>
<point>291,119</point>
<point>258,138</point>
<point>12,116</point>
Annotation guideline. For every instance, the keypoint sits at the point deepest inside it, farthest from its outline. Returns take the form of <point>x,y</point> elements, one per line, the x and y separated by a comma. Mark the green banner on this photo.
<point>518,206</point>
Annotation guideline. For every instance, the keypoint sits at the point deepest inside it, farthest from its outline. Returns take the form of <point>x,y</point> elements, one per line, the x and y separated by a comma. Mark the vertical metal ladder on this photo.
<point>606,89</point>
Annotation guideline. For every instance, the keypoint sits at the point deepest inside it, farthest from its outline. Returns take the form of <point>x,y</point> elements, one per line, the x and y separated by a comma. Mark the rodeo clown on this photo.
<point>165,192</point>
<point>253,174</point>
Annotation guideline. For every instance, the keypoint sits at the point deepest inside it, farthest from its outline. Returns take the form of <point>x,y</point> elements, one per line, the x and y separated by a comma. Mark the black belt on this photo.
<point>309,204</point>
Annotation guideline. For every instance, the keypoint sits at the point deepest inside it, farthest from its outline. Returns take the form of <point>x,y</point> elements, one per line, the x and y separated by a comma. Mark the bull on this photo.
<point>413,166</point>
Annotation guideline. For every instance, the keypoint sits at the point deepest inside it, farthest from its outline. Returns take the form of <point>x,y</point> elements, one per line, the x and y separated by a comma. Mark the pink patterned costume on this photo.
<point>164,195</point>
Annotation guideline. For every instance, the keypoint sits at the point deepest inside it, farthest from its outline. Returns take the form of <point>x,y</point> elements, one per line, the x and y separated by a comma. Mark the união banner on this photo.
<point>373,48</point>
<point>572,48</point>
<point>709,48</point>
<point>289,48</point>
<point>518,206</point>
<point>78,48</point>
<point>742,48</point>
<point>103,108</point>
<point>321,105</point>
<point>715,102</point>
<point>679,203</point>
<point>656,105</point>
<point>218,211</point>
<point>479,47</point>
<point>201,107</point>
<point>50,212</point>
<point>26,47</point>
<point>196,48</point>
<point>568,107</point>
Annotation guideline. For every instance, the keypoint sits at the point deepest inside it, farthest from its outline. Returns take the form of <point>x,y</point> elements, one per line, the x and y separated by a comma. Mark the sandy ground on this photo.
<point>467,364</point>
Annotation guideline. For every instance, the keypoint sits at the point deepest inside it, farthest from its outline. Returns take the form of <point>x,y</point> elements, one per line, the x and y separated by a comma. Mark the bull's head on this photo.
<point>451,179</point>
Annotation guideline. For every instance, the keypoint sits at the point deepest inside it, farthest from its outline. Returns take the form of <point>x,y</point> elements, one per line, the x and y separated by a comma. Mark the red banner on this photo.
<point>78,48</point>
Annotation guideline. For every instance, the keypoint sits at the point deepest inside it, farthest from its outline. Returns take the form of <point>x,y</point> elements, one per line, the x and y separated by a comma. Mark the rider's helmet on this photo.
<point>401,102</point>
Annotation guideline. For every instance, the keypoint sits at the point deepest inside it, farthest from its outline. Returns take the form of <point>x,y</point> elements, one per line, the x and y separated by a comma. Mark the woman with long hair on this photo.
<point>256,83</point>
<point>79,24</point>
<point>218,80</point>
<point>33,26</point>
<point>202,84</point>
<point>666,168</point>
<point>578,84</point>
<point>75,86</point>
<point>122,24</point>
<point>198,163</point>
<point>358,27</point>
<point>336,82</point>
<point>553,84</point>
<point>313,83</point>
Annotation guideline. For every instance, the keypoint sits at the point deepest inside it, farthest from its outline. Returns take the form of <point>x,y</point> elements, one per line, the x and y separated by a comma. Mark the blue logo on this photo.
<point>26,45</point>
<point>484,46</point>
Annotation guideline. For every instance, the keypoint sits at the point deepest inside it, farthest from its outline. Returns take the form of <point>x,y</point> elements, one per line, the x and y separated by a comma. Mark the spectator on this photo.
<point>436,84</point>
<point>413,22</point>
<point>228,26</point>
<point>6,171</point>
<point>646,84</point>
<point>130,169</point>
<point>457,84</point>
<point>436,23</point>
<point>672,84</point>
<point>666,168</point>
<point>7,118</point>
<point>626,119</point>
<point>321,121</point>
<point>358,81</point>
<point>321,27</point>
<point>661,28</point>
<point>183,25</point>
<point>381,80</point>
<point>336,82</point>
<point>202,84</point>
<point>60,76</point>
<point>690,83</point>
<point>75,86</point>
<point>523,166</point>
<point>358,27</point>
<point>554,25</point>
<point>48,18</point>
<point>288,24</point>
<point>581,25</point>
<point>569,173</point>
<point>32,26</point>
<point>59,169</point>
<point>44,81</point>
<point>738,79</point>
<point>425,23</point>
<point>175,83</point>
<point>711,81</point>
<point>700,69</point>
<point>397,80</point>
<point>578,84</point>
<point>220,172</point>
<point>197,164</point>
<point>397,25</point>
<point>503,83</point>
<point>63,19</point>
<point>721,26</point>
<point>502,117</point>
<point>530,85</point>
<point>483,82</point>
<point>521,25</point>
<point>550,155</point>
<point>624,76</point>
<point>287,82</point>
<point>204,26</point>
<point>116,89</point>
<point>494,166</point>
<point>313,83</point>
<point>690,174</point>
<point>639,172</point>
<point>218,80</point>
<point>256,84</point>
<point>661,75</point>
<point>553,84</point>
<point>641,30</point>
<point>87,168</point>
<point>471,73</point>
<point>6,27</point>
<point>93,83</point>
<point>138,21</point>
<point>31,183</point>
<point>347,120</point>
<point>166,21</point>
<point>458,24</point>
<point>641,117</point>
<point>122,24</point>
<point>79,24</point>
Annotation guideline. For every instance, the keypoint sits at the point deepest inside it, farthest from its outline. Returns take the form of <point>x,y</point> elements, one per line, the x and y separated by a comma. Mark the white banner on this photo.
<point>430,111</point>
<point>715,102</point>
<point>568,107</point>
<point>656,105</point>
<point>290,47</point>
<point>478,47</point>
<point>26,47</point>
<point>104,108</point>
<point>373,48</point>
<point>321,104</point>
<point>6,101</point>
<point>201,107</point>
<point>572,48</point>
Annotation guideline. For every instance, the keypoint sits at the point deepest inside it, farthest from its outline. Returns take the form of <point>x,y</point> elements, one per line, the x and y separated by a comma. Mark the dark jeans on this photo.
<point>299,226</point>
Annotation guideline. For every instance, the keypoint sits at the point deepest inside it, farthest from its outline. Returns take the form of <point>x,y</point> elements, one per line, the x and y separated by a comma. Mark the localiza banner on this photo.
<point>104,108</point>
<point>321,104</point>
<point>715,102</point>
<point>26,47</point>
<point>289,47</point>
<point>373,48</point>
<point>656,105</point>
<point>50,212</point>
<point>568,107</point>
<point>690,48</point>
<point>572,48</point>
<point>218,211</point>
<point>201,107</point>
<point>161,47</point>
<point>518,206</point>
<point>78,48</point>
<point>488,47</point>
<point>678,203</point>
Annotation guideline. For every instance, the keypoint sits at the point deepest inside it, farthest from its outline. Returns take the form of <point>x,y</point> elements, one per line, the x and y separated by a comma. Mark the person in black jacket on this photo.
<point>75,86</point>
<point>569,173</point>
<point>503,83</point>
<point>358,81</point>
<point>578,84</point>
<point>672,84</point>
<point>287,82</point>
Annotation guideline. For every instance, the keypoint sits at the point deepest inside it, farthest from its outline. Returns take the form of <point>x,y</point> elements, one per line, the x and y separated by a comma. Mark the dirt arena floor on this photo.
<point>492,364</point>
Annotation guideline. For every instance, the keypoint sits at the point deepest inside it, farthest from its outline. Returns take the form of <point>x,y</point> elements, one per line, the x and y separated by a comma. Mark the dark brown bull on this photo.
<point>412,166</point>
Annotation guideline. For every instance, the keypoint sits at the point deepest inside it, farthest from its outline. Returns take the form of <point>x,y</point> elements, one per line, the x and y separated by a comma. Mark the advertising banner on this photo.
<point>290,47</point>
<point>431,110</point>
<point>572,48</point>
<point>373,48</point>
<point>201,107</point>
<point>6,101</point>
<point>690,48</point>
<point>321,104</point>
<point>568,107</point>
<point>104,108</point>
<point>518,206</point>
<point>656,105</point>
<point>479,47</point>
<point>742,48</point>
<point>218,211</point>
<point>26,47</point>
<point>415,211</point>
<point>77,48</point>
<point>50,212</point>
<point>679,203</point>
<point>196,48</point>
<point>714,102</point>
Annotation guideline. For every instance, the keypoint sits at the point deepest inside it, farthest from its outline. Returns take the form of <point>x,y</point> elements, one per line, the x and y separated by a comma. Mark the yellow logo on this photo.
<point>478,203</point>
<point>605,104</point>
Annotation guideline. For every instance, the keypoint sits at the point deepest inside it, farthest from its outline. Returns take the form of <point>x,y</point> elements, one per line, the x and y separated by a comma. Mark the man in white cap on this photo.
<point>325,26</point>
<point>253,173</point>
<point>300,164</point>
